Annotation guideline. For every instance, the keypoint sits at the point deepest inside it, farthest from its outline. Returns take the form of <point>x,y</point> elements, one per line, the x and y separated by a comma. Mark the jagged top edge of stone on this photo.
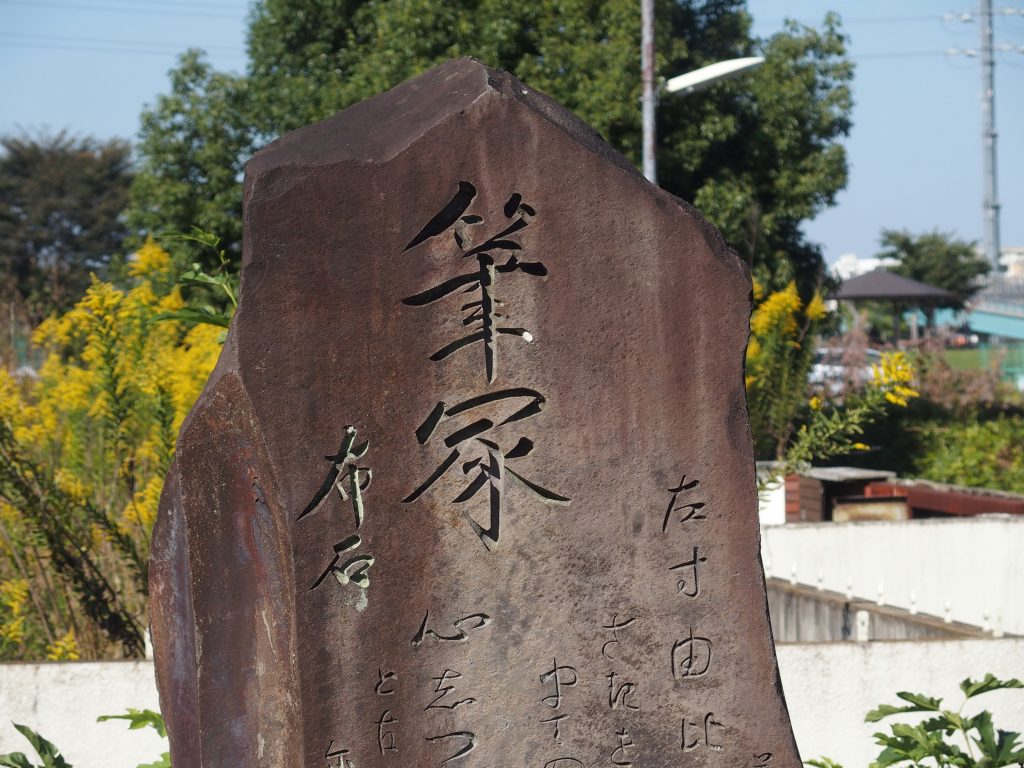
<point>382,126</point>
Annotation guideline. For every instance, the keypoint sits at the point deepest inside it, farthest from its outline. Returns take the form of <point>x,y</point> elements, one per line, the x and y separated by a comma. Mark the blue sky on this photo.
<point>915,149</point>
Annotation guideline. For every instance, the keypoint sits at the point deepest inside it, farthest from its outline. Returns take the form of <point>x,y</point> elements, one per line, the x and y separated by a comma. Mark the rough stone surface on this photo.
<point>547,554</point>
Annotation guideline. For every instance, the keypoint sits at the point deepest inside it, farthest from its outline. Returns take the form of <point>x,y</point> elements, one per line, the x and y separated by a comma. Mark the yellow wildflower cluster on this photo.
<point>892,375</point>
<point>13,595</point>
<point>816,309</point>
<point>777,363</point>
<point>102,414</point>
<point>151,261</point>
<point>63,648</point>
<point>778,311</point>
<point>115,386</point>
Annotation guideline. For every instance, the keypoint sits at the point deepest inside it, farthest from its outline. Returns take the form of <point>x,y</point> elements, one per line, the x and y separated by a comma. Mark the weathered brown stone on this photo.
<point>617,616</point>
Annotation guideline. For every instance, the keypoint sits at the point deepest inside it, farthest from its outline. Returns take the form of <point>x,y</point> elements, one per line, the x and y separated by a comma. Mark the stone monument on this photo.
<point>472,484</point>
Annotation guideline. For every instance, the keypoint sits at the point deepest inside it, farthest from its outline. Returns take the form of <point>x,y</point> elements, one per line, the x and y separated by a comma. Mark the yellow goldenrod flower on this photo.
<point>758,290</point>
<point>63,648</point>
<point>816,308</point>
<point>101,417</point>
<point>150,261</point>
<point>777,311</point>
<point>892,375</point>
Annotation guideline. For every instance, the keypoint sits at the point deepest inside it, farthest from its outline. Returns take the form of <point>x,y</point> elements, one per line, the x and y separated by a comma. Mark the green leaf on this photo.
<point>197,316</point>
<point>822,762</point>
<point>883,711</point>
<point>1002,749</point>
<point>922,702</point>
<point>947,722</point>
<point>47,752</point>
<point>986,740</point>
<point>918,703</point>
<point>990,682</point>
<point>15,760</point>
<point>914,732</point>
<point>139,718</point>
<point>163,762</point>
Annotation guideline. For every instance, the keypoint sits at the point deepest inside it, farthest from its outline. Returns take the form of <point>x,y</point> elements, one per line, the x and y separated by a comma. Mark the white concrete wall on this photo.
<point>970,567</point>
<point>61,701</point>
<point>829,688</point>
<point>771,503</point>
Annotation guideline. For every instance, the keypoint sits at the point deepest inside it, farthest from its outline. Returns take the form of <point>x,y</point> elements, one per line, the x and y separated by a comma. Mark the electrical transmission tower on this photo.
<point>986,54</point>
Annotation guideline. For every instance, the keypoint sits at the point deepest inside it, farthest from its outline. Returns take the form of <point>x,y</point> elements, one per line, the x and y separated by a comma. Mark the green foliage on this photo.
<point>938,259</point>
<point>193,143</point>
<point>84,448</point>
<point>139,718</point>
<point>144,718</point>
<point>62,523</point>
<point>986,454</point>
<point>934,739</point>
<point>779,356</point>
<point>758,155</point>
<point>780,163</point>
<point>222,284</point>
<point>789,424</point>
<point>48,753</point>
<point>61,200</point>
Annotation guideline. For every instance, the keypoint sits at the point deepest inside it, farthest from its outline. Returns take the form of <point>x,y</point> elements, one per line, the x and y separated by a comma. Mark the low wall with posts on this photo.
<point>829,687</point>
<point>965,569</point>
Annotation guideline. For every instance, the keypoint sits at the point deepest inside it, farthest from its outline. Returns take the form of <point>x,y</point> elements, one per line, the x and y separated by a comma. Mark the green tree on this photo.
<point>194,142</point>
<point>758,155</point>
<point>939,259</point>
<point>61,200</point>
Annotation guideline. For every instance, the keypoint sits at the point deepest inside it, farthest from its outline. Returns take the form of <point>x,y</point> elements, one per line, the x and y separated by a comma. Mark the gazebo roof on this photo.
<point>882,285</point>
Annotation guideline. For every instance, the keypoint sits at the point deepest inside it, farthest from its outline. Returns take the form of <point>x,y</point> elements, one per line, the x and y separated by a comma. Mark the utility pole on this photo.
<point>649,91</point>
<point>988,136</point>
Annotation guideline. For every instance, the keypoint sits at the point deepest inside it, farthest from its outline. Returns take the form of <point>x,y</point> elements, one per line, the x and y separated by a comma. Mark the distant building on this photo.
<point>850,265</point>
<point>1012,260</point>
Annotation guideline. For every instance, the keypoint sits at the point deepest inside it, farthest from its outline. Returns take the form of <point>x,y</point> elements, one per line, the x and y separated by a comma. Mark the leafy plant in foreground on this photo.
<point>144,718</point>
<point>47,752</point>
<point>51,757</point>
<point>934,741</point>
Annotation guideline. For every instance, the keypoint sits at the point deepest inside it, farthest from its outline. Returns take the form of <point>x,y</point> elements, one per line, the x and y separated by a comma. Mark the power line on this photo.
<point>167,4</point>
<point>16,37</point>
<point>857,20</point>
<point>98,49</point>
<point>900,55</point>
<point>128,9</point>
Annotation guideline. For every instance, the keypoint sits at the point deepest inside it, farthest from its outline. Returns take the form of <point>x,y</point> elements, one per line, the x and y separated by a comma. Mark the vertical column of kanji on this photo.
<point>493,253</point>
<point>692,655</point>
<point>350,565</point>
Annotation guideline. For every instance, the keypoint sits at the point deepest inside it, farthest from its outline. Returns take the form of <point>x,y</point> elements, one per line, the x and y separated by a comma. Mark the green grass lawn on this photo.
<point>969,359</point>
<point>984,357</point>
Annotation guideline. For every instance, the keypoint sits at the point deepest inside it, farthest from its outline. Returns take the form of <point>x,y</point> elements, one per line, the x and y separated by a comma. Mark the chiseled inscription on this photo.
<point>484,460</point>
<point>349,566</point>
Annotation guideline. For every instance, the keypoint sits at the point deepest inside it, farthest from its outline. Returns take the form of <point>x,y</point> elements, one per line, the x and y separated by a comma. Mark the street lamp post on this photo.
<point>650,94</point>
<point>688,83</point>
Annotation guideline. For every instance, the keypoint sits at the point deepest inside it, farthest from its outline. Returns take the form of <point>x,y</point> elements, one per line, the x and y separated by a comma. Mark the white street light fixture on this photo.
<point>705,76</point>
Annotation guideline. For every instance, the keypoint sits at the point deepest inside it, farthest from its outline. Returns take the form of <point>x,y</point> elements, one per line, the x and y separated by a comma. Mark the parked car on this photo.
<point>830,369</point>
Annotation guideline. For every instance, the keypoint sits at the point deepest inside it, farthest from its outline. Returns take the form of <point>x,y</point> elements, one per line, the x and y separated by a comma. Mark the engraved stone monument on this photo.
<point>472,485</point>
